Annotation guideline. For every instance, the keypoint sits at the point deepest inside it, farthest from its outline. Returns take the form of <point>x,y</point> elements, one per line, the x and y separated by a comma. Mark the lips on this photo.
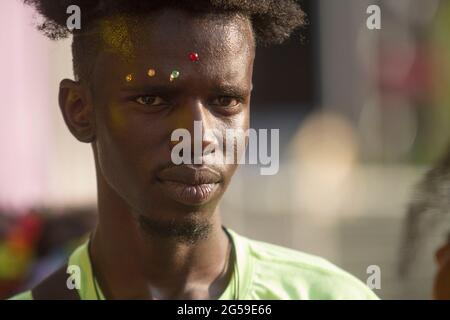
<point>189,184</point>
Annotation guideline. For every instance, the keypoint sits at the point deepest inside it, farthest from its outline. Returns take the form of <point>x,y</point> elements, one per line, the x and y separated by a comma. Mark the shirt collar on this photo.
<point>240,280</point>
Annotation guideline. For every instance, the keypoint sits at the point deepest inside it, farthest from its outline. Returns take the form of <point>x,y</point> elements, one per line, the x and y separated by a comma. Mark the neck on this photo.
<point>130,265</point>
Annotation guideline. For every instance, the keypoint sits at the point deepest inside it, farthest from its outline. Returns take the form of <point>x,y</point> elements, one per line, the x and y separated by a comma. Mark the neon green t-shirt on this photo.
<point>261,271</point>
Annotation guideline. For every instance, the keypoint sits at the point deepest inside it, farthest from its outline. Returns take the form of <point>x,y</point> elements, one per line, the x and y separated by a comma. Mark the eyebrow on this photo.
<point>226,90</point>
<point>230,90</point>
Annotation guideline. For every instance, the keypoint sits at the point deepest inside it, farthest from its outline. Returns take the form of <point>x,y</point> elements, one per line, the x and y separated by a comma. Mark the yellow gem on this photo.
<point>151,72</point>
<point>129,77</point>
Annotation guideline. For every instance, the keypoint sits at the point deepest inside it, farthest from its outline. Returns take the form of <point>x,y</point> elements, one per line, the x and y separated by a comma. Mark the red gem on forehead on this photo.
<point>193,56</point>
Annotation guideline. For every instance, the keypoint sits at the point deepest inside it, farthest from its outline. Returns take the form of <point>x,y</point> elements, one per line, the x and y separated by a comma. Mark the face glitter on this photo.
<point>116,32</point>
<point>193,56</point>
<point>174,75</point>
<point>151,73</point>
<point>129,77</point>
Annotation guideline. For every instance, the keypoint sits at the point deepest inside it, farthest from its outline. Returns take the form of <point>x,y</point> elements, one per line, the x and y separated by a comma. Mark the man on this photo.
<point>426,230</point>
<point>143,70</point>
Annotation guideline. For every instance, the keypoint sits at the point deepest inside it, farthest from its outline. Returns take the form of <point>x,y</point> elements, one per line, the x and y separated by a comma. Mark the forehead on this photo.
<point>164,39</point>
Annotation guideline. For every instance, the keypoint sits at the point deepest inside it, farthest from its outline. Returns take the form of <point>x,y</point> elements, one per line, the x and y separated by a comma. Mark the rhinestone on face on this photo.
<point>151,73</point>
<point>193,56</point>
<point>174,75</point>
<point>129,77</point>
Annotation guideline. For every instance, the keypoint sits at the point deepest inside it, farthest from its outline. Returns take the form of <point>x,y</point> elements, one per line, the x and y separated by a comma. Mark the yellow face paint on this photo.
<point>116,34</point>
<point>117,120</point>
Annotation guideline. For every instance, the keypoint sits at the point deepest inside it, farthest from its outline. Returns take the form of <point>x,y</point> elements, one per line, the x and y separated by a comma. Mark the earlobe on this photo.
<point>76,110</point>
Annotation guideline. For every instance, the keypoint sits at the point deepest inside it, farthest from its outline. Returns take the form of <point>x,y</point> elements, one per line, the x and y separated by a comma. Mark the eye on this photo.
<point>148,100</point>
<point>226,102</point>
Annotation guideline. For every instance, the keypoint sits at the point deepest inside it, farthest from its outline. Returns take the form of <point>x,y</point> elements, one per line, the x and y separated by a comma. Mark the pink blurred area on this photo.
<point>25,108</point>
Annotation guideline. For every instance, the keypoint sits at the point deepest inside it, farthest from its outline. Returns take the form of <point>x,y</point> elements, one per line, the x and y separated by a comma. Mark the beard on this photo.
<point>188,231</point>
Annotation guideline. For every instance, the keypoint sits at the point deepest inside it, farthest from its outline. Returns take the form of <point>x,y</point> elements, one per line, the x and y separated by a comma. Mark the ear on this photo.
<point>78,113</point>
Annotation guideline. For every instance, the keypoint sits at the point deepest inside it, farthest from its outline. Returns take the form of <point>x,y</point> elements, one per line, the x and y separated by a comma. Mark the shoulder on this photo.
<point>55,285</point>
<point>290,274</point>
<point>22,296</point>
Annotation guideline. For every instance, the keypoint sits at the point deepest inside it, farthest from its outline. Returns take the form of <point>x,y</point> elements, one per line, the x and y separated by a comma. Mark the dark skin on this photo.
<point>129,125</point>
<point>441,286</point>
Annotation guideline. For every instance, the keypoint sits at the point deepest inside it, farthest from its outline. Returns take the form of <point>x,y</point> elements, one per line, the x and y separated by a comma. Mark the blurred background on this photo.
<point>363,114</point>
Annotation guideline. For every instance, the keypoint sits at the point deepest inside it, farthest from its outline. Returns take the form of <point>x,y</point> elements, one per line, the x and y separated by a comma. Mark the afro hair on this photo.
<point>273,21</point>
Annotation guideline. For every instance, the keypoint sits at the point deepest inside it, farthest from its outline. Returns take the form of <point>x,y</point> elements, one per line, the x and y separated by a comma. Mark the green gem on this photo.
<point>175,74</point>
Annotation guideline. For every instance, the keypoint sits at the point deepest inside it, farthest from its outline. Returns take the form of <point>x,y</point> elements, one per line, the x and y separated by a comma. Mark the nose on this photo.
<point>194,117</point>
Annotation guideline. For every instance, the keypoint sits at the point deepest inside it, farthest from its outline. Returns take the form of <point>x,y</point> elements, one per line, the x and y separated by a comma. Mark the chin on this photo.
<point>186,228</point>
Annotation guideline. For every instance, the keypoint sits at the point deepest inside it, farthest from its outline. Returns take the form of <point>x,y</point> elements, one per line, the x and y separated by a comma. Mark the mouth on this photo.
<point>189,194</point>
<point>190,185</point>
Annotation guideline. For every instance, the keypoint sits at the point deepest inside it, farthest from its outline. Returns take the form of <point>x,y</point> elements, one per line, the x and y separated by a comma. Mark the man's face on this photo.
<point>136,115</point>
